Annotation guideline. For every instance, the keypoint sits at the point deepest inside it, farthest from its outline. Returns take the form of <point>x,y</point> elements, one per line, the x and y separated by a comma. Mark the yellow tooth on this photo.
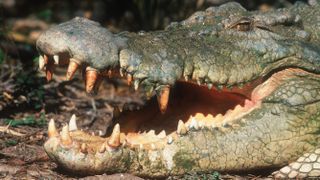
<point>114,140</point>
<point>52,131</point>
<point>129,79</point>
<point>102,148</point>
<point>151,133</point>
<point>56,59</point>
<point>109,73</point>
<point>162,134</point>
<point>72,68</point>
<point>83,148</point>
<point>65,136</point>
<point>194,123</point>
<point>49,71</point>
<point>163,98</point>
<point>92,77</point>
<point>41,63</point>
<point>73,123</point>
<point>181,129</point>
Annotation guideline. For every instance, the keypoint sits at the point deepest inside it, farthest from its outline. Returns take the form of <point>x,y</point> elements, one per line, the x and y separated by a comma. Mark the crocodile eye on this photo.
<point>244,24</point>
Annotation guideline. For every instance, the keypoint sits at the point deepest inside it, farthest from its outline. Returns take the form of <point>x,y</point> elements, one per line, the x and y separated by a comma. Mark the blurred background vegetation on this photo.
<point>21,22</point>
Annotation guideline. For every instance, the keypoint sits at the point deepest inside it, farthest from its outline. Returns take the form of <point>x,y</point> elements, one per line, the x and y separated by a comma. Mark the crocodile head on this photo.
<point>234,88</point>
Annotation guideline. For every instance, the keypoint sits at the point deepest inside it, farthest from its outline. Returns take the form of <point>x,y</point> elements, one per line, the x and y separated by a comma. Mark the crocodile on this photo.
<point>226,90</point>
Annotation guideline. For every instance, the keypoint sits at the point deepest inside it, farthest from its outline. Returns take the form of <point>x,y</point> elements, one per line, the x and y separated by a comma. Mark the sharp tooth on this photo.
<point>181,129</point>
<point>92,79</point>
<point>101,133</point>
<point>209,86</point>
<point>73,123</point>
<point>83,148</point>
<point>72,68</point>
<point>194,123</point>
<point>151,133</point>
<point>49,71</point>
<point>136,84</point>
<point>162,134</point>
<point>56,59</point>
<point>52,131</point>
<point>199,82</point>
<point>41,63</point>
<point>114,140</point>
<point>65,136</point>
<point>186,78</point>
<point>109,73</point>
<point>121,71</point>
<point>102,148</point>
<point>169,140</point>
<point>129,79</point>
<point>163,98</point>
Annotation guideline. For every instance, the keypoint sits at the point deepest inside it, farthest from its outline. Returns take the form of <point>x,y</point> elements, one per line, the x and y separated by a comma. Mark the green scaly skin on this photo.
<point>208,48</point>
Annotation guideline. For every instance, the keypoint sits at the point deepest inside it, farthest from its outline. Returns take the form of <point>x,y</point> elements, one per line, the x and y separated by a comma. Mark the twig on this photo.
<point>6,129</point>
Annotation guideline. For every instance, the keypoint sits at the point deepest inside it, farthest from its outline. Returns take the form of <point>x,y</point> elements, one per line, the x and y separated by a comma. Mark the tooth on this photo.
<point>83,148</point>
<point>186,78</point>
<point>149,91</point>
<point>182,129</point>
<point>49,71</point>
<point>92,80</point>
<point>41,63</point>
<point>65,136</point>
<point>162,134</point>
<point>151,133</point>
<point>109,73</point>
<point>101,133</point>
<point>93,134</point>
<point>136,84</point>
<point>199,82</point>
<point>194,123</point>
<point>141,146</point>
<point>73,123</point>
<point>209,86</point>
<point>72,68</point>
<point>129,79</point>
<point>56,59</point>
<point>169,140</point>
<point>121,71</point>
<point>102,148</point>
<point>52,131</point>
<point>163,98</point>
<point>114,140</point>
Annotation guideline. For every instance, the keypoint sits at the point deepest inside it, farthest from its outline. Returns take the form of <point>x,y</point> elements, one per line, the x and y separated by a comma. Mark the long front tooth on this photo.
<point>129,79</point>
<point>65,136</point>
<point>52,131</point>
<point>92,76</point>
<point>73,123</point>
<point>163,98</point>
<point>41,63</point>
<point>194,124</point>
<point>181,129</point>
<point>114,140</point>
<point>49,72</point>
<point>72,68</point>
<point>56,59</point>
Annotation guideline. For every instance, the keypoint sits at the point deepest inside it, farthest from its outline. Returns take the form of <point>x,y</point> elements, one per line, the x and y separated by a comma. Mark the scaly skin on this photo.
<point>222,46</point>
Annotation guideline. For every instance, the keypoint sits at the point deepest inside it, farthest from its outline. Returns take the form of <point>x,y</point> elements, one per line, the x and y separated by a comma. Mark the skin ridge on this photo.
<point>222,46</point>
